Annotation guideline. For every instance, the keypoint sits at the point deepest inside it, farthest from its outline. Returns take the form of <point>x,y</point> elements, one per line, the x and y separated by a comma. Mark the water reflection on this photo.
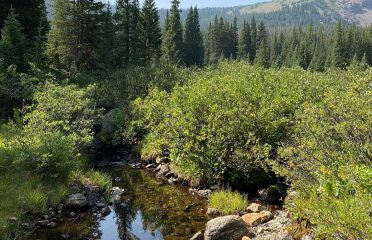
<point>149,210</point>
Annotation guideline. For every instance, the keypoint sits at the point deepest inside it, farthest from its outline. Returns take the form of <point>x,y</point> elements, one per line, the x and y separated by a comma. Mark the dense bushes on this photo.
<point>331,151</point>
<point>232,119</point>
<point>40,150</point>
<point>55,127</point>
<point>227,120</point>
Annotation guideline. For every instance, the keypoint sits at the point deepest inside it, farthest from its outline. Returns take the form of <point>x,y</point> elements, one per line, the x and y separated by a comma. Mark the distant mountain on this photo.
<point>282,13</point>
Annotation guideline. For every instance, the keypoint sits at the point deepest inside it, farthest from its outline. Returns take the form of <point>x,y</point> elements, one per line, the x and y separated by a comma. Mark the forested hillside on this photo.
<point>239,105</point>
<point>284,13</point>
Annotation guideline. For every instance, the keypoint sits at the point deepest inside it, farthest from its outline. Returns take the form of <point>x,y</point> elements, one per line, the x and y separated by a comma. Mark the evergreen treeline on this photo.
<point>86,35</point>
<point>305,13</point>
<point>315,48</point>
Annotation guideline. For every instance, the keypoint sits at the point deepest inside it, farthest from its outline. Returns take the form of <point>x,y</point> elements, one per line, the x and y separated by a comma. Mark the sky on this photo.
<point>207,3</point>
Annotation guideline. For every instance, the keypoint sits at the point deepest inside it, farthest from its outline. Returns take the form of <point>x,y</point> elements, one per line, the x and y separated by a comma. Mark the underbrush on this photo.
<point>39,150</point>
<point>228,202</point>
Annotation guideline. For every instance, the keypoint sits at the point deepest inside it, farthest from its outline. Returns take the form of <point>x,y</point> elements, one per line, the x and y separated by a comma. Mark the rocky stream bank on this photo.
<point>175,211</point>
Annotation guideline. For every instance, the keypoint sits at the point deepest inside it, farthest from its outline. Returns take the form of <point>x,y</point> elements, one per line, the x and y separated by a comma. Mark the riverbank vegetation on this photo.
<point>227,202</point>
<point>236,105</point>
<point>234,120</point>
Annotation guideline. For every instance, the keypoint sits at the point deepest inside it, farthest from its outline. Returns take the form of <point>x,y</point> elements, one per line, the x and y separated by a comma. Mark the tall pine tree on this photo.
<point>76,34</point>
<point>193,41</point>
<point>339,57</point>
<point>173,36</point>
<point>13,43</point>
<point>127,19</point>
<point>149,33</point>
<point>245,42</point>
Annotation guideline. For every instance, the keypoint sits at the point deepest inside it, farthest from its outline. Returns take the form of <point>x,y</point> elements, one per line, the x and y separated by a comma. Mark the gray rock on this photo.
<point>255,208</point>
<point>213,187</point>
<point>77,200</point>
<point>226,228</point>
<point>202,193</point>
<point>198,236</point>
<point>172,180</point>
<point>162,160</point>
<point>65,236</point>
<point>100,205</point>
<point>170,175</point>
<point>274,229</point>
<point>42,223</point>
<point>106,211</point>
<point>213,212</point>
<point>162,170</point>
<point>117,191</point>
<point>52,225</point>
<point>151,165</point>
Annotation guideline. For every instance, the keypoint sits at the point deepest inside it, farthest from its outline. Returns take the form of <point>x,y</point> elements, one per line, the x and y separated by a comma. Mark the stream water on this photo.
<point>150,210</point>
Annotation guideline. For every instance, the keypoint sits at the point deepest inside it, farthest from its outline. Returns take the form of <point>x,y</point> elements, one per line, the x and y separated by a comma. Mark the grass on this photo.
<point>228,202</point>
<point>94,178</point>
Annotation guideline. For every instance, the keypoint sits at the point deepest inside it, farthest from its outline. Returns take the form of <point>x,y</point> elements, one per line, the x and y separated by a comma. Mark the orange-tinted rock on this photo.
<point>255,219</point>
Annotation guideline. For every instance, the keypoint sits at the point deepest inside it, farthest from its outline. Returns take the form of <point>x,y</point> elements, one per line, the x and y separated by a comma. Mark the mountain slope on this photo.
<point>358,11</point>
<point>282,13</point>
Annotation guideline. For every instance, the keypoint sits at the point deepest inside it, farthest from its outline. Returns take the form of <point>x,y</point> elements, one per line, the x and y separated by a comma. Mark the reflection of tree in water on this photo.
<point>161,206</point>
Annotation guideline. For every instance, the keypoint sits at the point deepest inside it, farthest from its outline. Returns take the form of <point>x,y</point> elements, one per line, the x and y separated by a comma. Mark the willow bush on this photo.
<point>232,120</point>
<point>328,159</point>
<point>227,120</point>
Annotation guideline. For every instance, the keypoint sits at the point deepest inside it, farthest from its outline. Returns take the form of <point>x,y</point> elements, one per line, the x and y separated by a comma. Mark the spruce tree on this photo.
<point>234,38</point>
<point>252,54</point>
<point>76,34</point>
<point>173,36</point>
<point>13,43</point>
<point>319,58</point>
<point>149,33</point>
<point>107,43</point>
<point>263,56</point>
<point>31,15</point>
<point>261,34</point>
<point>127,18</point>
<point>193,41</point>
<point>245,42</point>
<point>198,40</point>
<point>339,58</point>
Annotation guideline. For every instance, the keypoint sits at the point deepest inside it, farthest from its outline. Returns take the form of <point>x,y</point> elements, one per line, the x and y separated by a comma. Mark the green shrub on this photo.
<point>227,202</point>
<point>227,120</point>
<point>65,109</point>
<point>50,154</point>
<point>328,161</point>
<point>93,178</point>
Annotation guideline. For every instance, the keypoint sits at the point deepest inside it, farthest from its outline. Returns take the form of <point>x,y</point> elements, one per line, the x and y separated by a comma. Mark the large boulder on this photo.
<point>77,200</point>
<point>226,228</point>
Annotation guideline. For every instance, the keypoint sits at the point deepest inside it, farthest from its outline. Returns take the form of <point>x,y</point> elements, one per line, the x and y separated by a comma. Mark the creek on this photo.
<point>150,209</point>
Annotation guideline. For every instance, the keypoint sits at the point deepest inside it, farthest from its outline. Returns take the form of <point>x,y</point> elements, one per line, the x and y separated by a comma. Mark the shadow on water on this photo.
<point>148,210</point>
